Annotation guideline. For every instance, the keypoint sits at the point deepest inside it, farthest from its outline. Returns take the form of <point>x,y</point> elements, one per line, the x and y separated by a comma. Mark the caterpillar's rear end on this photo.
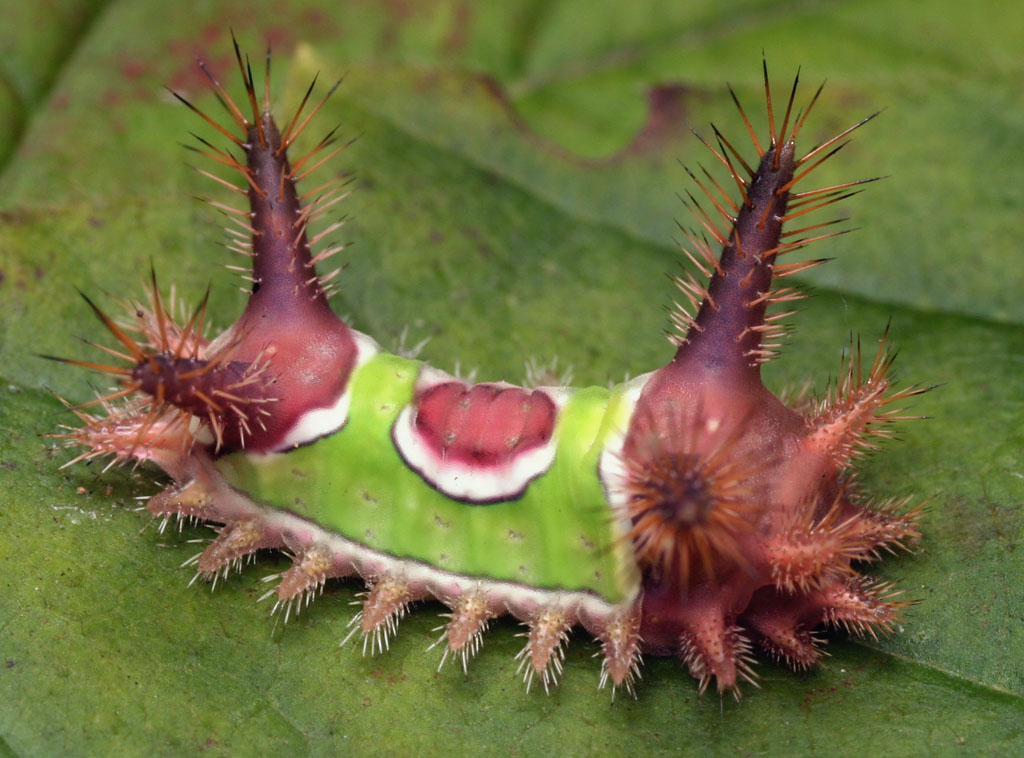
<point>732,520</point>
<point>746,515</point>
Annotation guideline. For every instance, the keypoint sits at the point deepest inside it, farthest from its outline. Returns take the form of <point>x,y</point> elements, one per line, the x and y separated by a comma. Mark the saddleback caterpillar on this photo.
<point>687,512</point>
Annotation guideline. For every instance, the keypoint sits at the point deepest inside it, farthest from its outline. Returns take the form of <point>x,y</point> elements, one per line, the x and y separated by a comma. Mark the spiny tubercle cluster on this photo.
<point>746,514</point>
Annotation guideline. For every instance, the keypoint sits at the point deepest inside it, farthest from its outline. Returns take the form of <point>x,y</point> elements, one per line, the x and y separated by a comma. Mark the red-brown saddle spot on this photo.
<point>483,425</point>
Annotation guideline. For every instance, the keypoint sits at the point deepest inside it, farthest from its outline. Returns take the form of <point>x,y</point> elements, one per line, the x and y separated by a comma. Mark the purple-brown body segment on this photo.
<point>299,354</point>
<point>714,379</point>
<point>188,383</point>
<point>773,568</point>
<point>726,335</point>
<point>287,325</point>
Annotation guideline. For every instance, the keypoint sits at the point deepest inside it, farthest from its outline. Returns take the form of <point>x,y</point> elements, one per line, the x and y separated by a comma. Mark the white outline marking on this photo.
<point>320,422</point>
<point>469,482</point>
<point>610,468</point>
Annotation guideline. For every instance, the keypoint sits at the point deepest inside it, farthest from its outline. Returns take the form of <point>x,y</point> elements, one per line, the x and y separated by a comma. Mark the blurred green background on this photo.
<point>516,174</point>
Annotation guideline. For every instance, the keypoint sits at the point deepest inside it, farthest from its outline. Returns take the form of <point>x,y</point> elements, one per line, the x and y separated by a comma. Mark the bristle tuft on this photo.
<point>714,651</point>
<point>864,607</point>
<point>544,652</point>
<point>386,603</point>
<point>304,581</point>
<point>688,499</point>
<point>462,637</point>
<point>620,650</point>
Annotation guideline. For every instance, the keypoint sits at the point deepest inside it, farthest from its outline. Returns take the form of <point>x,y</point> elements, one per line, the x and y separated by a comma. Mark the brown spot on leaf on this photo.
<point>316,17</point>
<point>111,98</point>
<point>666,119</point>
<point>280,39</point>
<point>455,41</point>
<point>133,68</point>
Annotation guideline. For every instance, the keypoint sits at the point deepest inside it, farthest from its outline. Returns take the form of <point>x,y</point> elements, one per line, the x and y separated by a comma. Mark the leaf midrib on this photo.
<point>32,103</point>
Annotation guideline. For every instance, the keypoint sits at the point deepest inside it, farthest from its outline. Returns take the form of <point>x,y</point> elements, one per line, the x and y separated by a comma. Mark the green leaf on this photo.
<point>516,178</point>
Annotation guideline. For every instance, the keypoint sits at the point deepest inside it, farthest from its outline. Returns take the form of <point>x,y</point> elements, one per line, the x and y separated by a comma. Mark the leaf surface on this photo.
<point>516,172</point>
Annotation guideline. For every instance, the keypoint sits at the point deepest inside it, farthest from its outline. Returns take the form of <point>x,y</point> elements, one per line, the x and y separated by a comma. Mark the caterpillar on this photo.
<point>687,512</point>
